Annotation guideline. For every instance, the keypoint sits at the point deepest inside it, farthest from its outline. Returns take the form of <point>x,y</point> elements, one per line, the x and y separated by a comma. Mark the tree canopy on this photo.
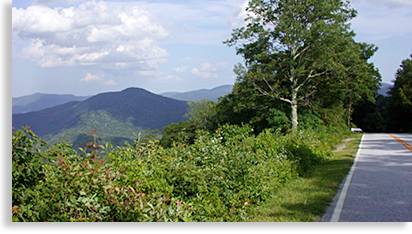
<point>400,101</point>
<point>295,48</point>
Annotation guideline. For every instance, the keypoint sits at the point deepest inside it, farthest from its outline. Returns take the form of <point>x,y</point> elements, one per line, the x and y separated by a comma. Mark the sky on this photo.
<point>88,47</point>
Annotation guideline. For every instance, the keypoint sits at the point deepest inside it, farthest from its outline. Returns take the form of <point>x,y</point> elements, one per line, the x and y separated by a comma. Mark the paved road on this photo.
<point>379,185</point>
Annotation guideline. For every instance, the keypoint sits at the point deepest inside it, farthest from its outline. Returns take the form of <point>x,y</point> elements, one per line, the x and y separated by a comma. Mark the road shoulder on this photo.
<point>334,209</point>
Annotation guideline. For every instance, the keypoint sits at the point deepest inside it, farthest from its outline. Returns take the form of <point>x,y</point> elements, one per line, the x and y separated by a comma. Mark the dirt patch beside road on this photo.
<point>342,146</point>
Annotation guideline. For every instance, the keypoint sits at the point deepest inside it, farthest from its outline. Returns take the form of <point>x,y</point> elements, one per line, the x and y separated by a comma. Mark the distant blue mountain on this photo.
<point>385,89</point>
<point>40,101</point>
<point>210,94</point>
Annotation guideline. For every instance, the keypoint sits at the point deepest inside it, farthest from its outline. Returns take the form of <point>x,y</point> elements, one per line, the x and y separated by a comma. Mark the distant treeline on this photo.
<point>391,113</point>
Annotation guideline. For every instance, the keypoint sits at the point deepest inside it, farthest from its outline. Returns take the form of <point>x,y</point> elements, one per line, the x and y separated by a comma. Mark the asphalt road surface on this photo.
<point>379,186</point>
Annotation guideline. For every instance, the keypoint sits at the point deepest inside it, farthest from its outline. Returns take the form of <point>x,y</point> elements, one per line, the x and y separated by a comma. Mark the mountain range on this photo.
<point>210,94</point>
<point>116,115</point>
<point>40,101</point>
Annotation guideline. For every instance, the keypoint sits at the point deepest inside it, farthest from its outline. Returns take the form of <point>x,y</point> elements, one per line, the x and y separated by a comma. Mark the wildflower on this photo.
<point>178,202</point>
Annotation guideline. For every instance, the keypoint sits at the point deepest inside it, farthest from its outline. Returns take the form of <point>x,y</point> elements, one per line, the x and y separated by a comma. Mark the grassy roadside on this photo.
<point>306,198</point>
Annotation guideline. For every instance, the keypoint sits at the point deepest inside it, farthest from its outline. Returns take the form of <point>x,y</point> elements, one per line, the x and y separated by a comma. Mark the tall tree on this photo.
<point>358,82</point>
<point>291,46</point>
<point>200,113</point>
<point>400,101</point>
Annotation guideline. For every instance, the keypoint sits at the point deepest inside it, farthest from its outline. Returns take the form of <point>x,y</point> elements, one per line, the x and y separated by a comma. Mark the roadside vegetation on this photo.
<point>222,176</point>
<point>307,197</point>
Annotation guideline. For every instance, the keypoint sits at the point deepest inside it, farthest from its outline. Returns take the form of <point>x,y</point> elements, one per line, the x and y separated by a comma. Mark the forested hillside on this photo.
<point>117,115</point>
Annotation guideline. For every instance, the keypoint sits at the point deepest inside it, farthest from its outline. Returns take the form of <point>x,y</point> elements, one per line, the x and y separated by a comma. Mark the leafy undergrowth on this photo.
<point>223,176</point>
<point>307,198</point>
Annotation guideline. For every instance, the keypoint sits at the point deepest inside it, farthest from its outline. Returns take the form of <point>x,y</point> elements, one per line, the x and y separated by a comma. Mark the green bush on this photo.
<point>223,174</point>
<point>220,177</point>
<point>184,132</point>
<point>85,188</point>
<point>27,169</point>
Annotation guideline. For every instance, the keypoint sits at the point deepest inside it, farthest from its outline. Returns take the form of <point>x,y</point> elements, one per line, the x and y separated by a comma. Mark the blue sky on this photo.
<point>88,47</point>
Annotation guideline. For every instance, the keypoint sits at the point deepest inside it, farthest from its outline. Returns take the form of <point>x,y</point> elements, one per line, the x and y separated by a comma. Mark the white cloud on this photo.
<point>208,70</point>
<point>195,71</point>
<point>97,78</point>
<point>110,82</point>
<point>146,73</point>
<point>238,18</point>
<point>92,78</point>
<point>180,69</point>
<point>107,35</point>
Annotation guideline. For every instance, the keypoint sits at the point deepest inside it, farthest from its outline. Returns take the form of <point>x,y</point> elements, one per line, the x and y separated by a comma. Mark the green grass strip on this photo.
<point>306,198</point>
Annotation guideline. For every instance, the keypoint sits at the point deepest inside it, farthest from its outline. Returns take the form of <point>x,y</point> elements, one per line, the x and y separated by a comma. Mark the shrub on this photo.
<point>306,149</point>
<point>223,174</point>
<point>27,169</point>
<point>183,132</point>
<point>84,188</point>
<point>220,177</point>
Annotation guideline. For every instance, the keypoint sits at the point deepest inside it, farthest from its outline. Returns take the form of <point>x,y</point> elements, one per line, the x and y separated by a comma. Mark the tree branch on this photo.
<point>309,77</point>
<point>297,55</point>
<point>272,94</point>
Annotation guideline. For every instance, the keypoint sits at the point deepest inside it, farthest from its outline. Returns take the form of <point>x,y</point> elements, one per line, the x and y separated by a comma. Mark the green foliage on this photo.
<point>111,129</point>
<point>278,119</point>
<point>308,197</point>
<point>182,132</point>
<point>400,101</point>
<point>200,113</point>
<point>201,116</point>
<point>388,114</point>
<point>302,52</point>
<point>370,116</point>
<point>26,165</point>
<point>220,177</point>
<point>83,188</point>
<point>243,106</point>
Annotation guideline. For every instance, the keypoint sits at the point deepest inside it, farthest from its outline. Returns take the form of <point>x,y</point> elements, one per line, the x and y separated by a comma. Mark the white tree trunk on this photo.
<point>294,105</point>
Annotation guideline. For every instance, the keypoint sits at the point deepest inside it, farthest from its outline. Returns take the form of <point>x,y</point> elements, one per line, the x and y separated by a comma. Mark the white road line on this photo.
<point>342,196</point>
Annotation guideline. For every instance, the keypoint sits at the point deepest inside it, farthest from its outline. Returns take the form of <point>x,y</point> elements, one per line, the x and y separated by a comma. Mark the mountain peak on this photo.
<point>129,109</point>
<point>131,89</point>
